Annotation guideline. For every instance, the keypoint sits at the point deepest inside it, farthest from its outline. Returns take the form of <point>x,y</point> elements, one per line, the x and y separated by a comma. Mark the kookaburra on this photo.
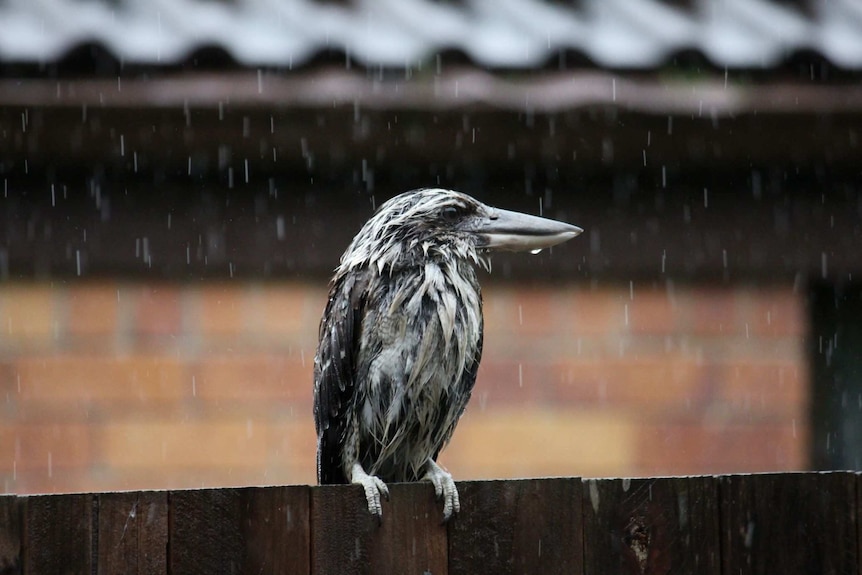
<point>401,337</point>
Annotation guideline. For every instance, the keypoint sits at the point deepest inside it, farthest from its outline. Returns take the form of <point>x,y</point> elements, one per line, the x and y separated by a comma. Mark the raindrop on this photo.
<point>536,251</point>
<point>279,228</point>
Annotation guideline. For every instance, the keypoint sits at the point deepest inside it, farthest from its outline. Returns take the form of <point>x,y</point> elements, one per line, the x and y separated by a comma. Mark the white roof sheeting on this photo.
<point>397,33</point>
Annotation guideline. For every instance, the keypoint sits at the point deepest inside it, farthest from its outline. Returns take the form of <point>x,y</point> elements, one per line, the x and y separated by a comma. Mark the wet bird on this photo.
<point>401,337</point>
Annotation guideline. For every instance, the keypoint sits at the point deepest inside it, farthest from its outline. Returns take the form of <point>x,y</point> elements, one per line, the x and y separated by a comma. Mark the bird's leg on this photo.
<point>444,486</point>
<point>373,487</point>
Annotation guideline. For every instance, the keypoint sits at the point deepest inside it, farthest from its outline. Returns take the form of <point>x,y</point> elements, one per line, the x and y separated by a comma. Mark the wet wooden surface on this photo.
<point>347,539</point>
<point>522,526</point>
<point>651,526</point>
<point>133,532</point>
<point>798,523</point>
<point>249,530</point>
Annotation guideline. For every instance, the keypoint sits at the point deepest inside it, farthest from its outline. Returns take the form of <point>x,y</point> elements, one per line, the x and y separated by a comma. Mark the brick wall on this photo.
<point>111,385</point>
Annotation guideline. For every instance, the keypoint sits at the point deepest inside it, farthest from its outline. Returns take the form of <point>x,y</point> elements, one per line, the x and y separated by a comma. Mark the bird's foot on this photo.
<point>444,487</point>
<point>374,488</point>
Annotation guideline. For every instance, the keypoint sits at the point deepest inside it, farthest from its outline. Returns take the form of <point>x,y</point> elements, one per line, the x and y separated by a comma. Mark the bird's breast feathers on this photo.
<point>418,343</point>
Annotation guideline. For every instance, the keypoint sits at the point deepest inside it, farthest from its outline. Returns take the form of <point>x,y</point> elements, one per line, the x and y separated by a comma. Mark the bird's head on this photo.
<point>433,222</point>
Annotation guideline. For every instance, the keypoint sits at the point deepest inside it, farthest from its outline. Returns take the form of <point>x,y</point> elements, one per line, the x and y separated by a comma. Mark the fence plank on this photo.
<point>789,523</point>
<point>858,512</point>
<point>10,534</point>
<point>248,530</point>
<point>347,539</point>
<point>58,534</point>
<point>133,532</point>
<point>531,526</point>
<point>651,526</point>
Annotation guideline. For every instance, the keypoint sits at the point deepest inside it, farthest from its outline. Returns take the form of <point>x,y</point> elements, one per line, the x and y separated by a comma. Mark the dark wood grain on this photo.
<point>858,512</point>
<point>10,534</point>
<point>249,530</point>
<point>133,532</point>
<point>276,530</point>
<point>521,526</point>
<point>651,526</point>
<point>789,523</point>
<point>58,535</point>
<point>347,539</point>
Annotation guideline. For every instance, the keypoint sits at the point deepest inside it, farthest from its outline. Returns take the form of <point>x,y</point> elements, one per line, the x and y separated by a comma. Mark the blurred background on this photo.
<point>180,177</point>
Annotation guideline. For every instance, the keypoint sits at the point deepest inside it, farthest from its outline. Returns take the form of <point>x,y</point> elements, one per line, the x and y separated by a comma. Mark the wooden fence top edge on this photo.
<point>544,479</point>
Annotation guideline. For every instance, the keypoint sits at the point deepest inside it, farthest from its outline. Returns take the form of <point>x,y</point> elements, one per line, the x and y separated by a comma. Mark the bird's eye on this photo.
<point>450,213</point>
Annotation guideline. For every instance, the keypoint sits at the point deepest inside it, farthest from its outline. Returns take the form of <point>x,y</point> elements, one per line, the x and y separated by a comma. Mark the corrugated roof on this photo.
<point>397,33</point>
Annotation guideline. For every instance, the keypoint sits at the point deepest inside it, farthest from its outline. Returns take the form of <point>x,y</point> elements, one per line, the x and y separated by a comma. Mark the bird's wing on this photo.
<point>446,426</point>
<point>335,370</point>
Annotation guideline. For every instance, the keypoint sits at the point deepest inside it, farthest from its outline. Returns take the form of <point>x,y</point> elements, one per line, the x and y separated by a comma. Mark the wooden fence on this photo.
<point>784,524</point>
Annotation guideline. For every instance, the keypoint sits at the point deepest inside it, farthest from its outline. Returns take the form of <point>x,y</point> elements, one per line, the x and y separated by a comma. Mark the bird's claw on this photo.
<point>444,487</point>
<point>374,488</point>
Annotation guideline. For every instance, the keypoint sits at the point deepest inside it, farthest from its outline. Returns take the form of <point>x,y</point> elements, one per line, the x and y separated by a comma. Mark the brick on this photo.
<point>158,310</point>
<point>669,382</point>
<point>136,479</point>
<point>776,312</point>
<point>504,382</point>
<point>539,311</point>
<point>533,312</point>
<point>44,448</point>
<point>714,447</point>
<point>292,448</point>
<point>153,444</point>
<point>100,380</point>
<point>93,309</point>
<point>28,313</point>
<point>223,309</point>
<point>765,387</point>
<point>8,383</point>
<point>710,311</point>
<point>255,378</point>
<point>539,442</point>
<point>652,312</point>
<point>594,312</point>
<point>285,310</point>
<point>495,306</point>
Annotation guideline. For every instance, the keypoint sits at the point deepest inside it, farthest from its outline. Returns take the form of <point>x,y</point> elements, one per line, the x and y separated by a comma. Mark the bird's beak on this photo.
<point>514,231</point>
